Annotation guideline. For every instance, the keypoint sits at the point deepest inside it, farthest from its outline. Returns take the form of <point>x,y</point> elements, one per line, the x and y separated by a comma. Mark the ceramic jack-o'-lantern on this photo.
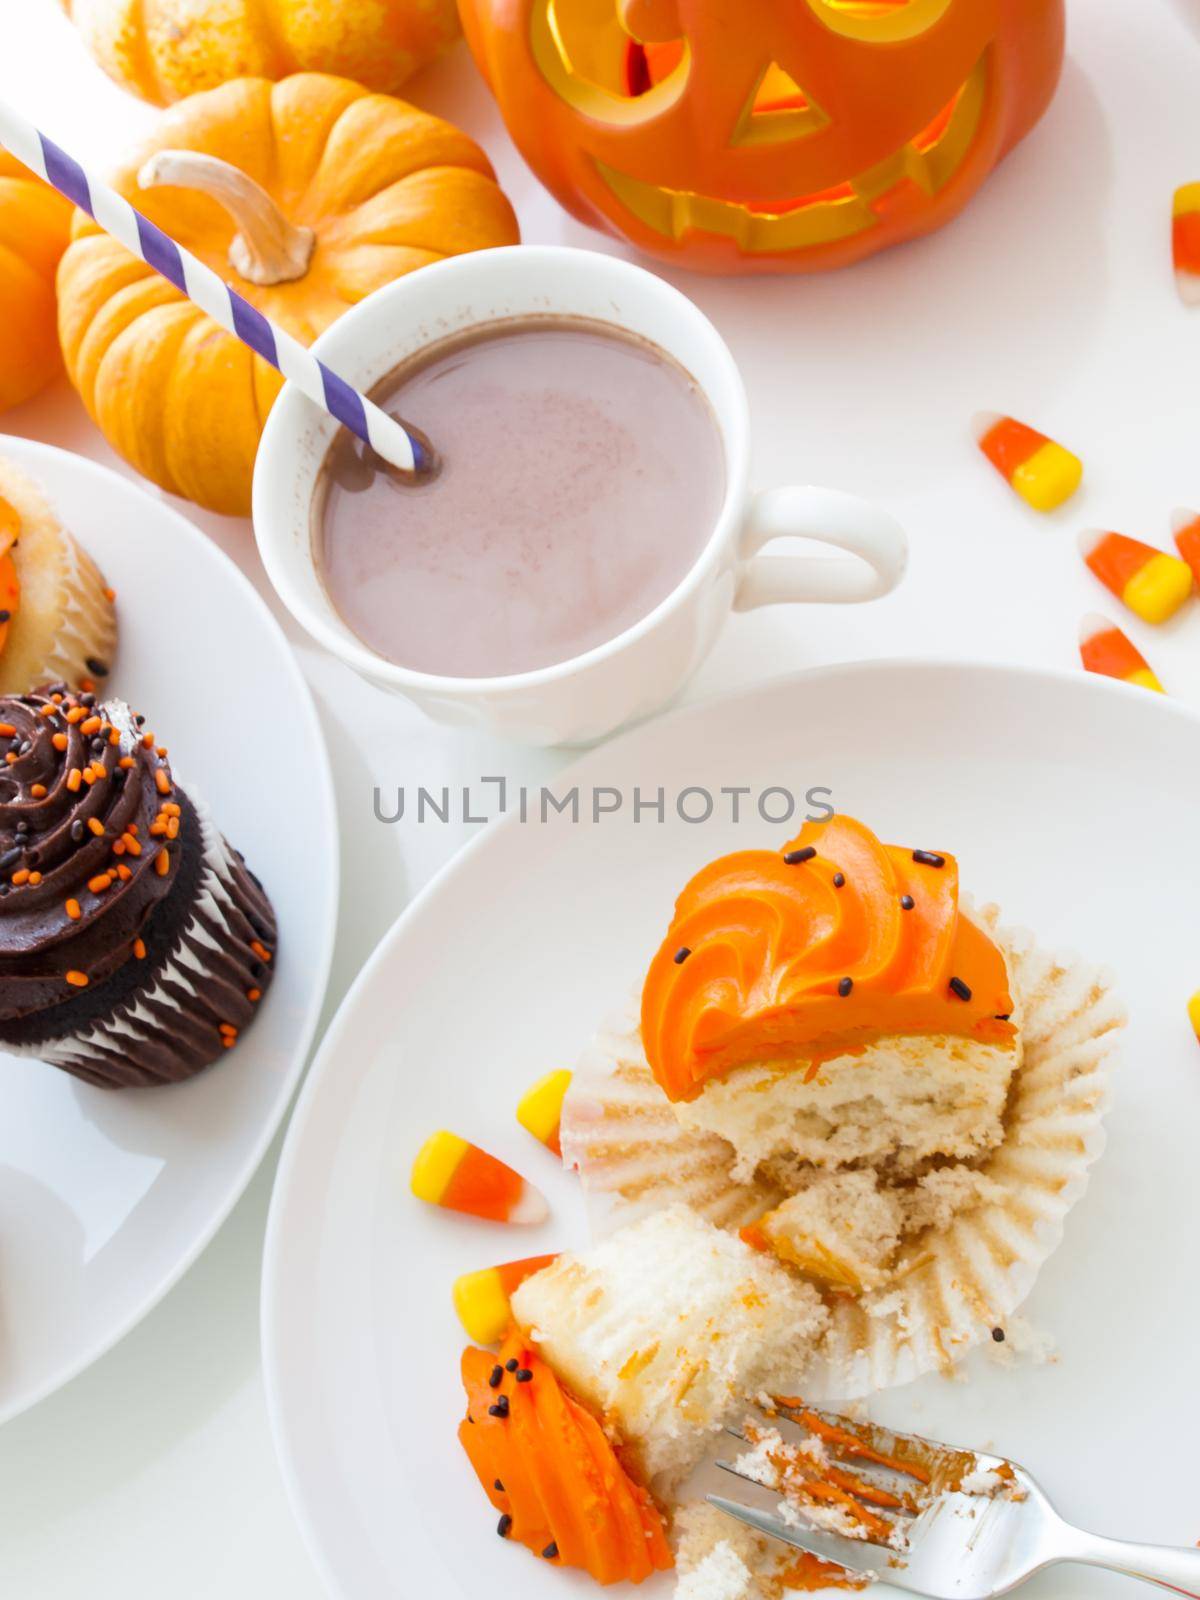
<point>766,135</point>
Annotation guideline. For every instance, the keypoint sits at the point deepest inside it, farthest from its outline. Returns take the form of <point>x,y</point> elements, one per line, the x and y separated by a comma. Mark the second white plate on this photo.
<point>1068,799</point>
<point>107,1196</point>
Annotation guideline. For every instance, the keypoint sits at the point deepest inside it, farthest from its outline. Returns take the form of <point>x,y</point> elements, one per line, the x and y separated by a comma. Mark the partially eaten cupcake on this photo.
<point>872,1081</point>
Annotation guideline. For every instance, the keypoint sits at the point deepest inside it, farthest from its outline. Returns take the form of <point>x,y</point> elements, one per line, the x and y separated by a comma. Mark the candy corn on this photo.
<point>1186,526</point>
<point>482,1298</point>
<point>1151,583</point>
<point>451,1172</point>
<point>1043,473</point>
<point>1185,242</point>
<point>1103,648</point>
<point>540,1108</point>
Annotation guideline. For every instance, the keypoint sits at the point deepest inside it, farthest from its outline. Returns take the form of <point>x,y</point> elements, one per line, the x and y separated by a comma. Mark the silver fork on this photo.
<point>953,1545</point>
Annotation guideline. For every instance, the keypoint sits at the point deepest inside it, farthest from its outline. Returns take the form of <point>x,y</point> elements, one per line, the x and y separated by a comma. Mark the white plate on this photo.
<point>1070,799</point>
<point>106,1197</point>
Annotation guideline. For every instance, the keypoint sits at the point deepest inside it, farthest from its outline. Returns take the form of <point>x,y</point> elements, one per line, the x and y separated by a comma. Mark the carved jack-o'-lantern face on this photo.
<point>777,135</point>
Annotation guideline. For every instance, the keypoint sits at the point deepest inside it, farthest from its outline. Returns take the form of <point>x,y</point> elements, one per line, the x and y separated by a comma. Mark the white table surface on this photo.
<point>1052,298</point>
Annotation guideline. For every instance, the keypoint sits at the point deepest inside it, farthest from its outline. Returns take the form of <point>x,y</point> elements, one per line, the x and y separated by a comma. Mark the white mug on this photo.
<point>631,675</point>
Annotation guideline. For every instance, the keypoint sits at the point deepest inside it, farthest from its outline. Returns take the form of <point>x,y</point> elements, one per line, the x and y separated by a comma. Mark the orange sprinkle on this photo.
<point>131,844</point>
<point>158,828</point>
<point>22,876</point>
<point>148,741</point>
<point>88,685</point>
<point>123,872</point>
<point>7,729</point>
<point>10,758</point>
<point>89,777</point>
<point>118,848</point>
<point>114,736</point>
<point>75,714</point>
<point>34,879</point>
<point>48,711</point>
<point>110,595</point>
<point>132,828</point>
<point>74,779</point>
<point>92,725</point>
<point>161,752</point>
<point>78,979</point>
<point>38,791</point>
<point>96,826</point>
<point>162,782</point>
<point>260,950</point>
<point>74,910</point>
<point>172,810</point>
<point>99,769</point>
<point>172,827</point>
<point>253,994</point>
<point>162,863</point>
<point>139,949</point>
<point>58,700</point>
<point>126,762</point>
<point>60,741</point>
<point>100,882</point>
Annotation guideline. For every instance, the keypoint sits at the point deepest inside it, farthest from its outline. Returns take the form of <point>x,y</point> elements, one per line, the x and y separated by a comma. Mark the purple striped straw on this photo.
<point>212,294</point>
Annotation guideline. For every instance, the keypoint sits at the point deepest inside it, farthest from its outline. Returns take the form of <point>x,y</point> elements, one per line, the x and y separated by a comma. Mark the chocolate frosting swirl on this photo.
<point>88,818</point>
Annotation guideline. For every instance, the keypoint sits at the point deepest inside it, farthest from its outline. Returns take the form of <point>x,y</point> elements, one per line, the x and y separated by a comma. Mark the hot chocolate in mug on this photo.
<point>630,675</point>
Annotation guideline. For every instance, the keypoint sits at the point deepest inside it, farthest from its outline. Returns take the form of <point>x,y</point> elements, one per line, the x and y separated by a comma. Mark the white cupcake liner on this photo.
<point>950,1287</point>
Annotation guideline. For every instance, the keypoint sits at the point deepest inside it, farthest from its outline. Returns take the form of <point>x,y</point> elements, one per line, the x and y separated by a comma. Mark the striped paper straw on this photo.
<point>212,294</point>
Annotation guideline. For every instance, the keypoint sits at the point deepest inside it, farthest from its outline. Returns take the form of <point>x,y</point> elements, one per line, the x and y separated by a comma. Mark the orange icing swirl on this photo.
<point>770,947</point>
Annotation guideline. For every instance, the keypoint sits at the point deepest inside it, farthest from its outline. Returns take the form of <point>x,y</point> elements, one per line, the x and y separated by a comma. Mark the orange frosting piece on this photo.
<point>771,945</point>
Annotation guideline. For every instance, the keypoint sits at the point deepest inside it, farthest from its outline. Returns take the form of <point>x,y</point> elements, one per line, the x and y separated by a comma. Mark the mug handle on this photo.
<point>873,537</point>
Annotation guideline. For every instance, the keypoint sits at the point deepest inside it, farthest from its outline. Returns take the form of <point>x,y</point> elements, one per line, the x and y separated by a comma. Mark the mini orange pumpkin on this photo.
<point>35,225</point>
<point>315,193</point>
<point>759,136</point>
<point>164,50</point>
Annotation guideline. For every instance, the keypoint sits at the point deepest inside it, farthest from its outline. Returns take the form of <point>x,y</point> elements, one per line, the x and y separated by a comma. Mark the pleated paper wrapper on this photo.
<point>948,1288</point>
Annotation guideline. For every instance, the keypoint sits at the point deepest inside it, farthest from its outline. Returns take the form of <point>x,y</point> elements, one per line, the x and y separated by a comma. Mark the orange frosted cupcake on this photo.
<point>832,1003</point>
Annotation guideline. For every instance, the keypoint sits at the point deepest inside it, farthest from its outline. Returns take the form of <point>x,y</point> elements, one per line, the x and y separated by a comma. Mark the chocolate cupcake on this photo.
<point>135,944</point>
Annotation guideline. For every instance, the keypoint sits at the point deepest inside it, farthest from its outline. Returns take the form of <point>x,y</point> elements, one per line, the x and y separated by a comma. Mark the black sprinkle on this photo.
<point>550,1551</point>
<point>97,668</point>
<point>500,1409</point>
<point>140,720</point>
<point>511,1365</point>
<point>498,1486</point>
<point>958,987</point>
<point>524,1375</point>
<point>844,986</point>
<point>88,699</point>
<point>503,1526</point>
<point>497,1378</point>
<point>839,880</point>
<point>5,887</point>
<point>907,902</point>
<point>1004,1017</point>
<point>796,858</point>
<point>681,955</point>
<point>5,616</point>
<point>998,1335</point>
<point>929,858</point>
<point>77,830</point>
<point>470,1419</point>
<point>10,858</point>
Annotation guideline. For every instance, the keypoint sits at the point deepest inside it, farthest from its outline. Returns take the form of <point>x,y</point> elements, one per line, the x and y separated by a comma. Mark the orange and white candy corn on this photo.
<point>1043,473</point>
<point>454,1173</point>
<point>483,1299</point>
<point>1186,527</point>
<point>1185,242</point>
<point>1103,648</point>
<point>539,1109</point>
<point>1151,583</point>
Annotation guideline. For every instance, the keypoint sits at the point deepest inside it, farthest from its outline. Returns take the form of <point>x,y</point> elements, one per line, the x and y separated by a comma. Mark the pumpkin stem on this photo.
<point>267,248</point>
